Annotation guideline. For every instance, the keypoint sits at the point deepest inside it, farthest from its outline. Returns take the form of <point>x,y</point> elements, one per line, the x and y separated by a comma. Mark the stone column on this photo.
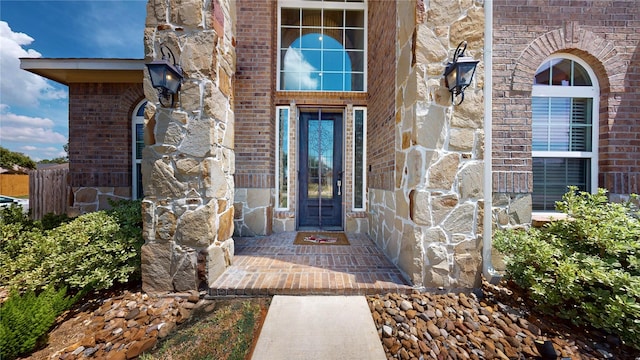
<point>431,225</point>
<point>188,161</point>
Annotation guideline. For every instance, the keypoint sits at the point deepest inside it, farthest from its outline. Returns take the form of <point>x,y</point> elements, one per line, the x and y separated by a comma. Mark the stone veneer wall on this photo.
<point>188,163</point>
<point>430,225</point>
<point>87,199</point>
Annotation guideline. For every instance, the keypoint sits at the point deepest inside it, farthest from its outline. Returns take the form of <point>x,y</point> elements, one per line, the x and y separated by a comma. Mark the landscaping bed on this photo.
<point>500,324</point>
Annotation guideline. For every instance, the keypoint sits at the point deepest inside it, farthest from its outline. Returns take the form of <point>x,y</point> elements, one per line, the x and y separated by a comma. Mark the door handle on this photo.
<point>339,183</point>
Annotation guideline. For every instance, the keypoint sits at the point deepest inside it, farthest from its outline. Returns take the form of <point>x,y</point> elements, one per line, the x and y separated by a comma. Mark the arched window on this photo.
<point>137,144</point>
<point>565,129</point>
<point>322,45</point>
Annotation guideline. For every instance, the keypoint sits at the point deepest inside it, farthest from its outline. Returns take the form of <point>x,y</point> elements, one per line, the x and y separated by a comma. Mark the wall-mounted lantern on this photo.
<point>459,73</point>
<point>166,76</point>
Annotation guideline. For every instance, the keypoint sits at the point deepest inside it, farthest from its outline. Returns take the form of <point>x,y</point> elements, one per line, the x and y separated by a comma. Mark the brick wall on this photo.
<point>605,34</point>
<point>100,133</point>
<point>254,86</point>
<point>256,95</point>
<point>381,88</point>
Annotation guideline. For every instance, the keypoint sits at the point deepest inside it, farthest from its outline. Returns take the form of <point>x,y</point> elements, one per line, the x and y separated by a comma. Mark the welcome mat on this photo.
<point>320,238</point>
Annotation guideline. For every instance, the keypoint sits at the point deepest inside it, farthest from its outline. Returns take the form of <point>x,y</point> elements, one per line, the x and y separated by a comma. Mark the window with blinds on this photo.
<point>564,131</point>
<point>561,124</point>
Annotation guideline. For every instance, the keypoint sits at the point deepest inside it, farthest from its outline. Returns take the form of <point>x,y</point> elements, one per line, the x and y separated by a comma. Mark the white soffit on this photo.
<point>68,71</point>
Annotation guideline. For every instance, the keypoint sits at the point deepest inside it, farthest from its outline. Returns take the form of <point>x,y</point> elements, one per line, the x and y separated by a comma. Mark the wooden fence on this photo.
<point>14,184</point>
<point>48,191</point>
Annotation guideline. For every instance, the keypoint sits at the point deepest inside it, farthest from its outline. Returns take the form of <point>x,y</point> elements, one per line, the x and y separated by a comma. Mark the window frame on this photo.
<point>556,91</point>
<point>277,157</point>
<point>136,120</point>
<point>364,159</point>
<point>320,5</point>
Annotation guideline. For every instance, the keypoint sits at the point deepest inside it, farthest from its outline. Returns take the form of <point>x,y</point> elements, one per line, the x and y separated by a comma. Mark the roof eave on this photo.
<point>69,71</point>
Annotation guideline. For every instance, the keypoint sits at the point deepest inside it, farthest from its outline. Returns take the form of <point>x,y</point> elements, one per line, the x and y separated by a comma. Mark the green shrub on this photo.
<point>586,268</point>
<point>15,215</point>
<point>51,221</point>
<point>93,251</point>
<point>26,318</point>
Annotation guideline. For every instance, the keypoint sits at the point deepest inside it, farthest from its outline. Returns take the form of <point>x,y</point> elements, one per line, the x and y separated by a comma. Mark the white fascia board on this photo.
<point>68,71</point>
<point>81,64</point>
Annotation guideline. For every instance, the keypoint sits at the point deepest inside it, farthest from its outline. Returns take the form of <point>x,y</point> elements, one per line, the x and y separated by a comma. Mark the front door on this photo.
<point>321,182</point>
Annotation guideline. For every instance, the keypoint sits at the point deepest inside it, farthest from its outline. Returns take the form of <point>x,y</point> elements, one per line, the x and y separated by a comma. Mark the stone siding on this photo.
<point>253,215</point>
<point>430,225</point>
<point>86,199</point>
<point>604,35</point>
<point>188,162</point>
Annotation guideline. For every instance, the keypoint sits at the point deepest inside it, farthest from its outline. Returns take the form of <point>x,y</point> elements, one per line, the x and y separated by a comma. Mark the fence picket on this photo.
<point>48,192</point>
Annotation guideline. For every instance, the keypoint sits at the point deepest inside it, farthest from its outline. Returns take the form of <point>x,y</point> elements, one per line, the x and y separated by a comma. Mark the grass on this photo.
<point>227,333</point>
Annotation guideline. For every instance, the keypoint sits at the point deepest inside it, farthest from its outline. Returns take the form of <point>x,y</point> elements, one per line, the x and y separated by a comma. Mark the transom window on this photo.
<point>322,45</point>
<point>565,136</point>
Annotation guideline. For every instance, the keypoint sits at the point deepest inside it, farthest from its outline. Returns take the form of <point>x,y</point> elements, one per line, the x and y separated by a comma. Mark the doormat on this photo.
<point>320,238</point>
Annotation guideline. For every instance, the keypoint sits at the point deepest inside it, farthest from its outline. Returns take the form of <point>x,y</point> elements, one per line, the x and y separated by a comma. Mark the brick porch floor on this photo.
<point>272,265</point>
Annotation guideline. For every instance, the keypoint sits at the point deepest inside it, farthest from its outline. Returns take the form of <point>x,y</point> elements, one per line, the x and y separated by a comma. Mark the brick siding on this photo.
<point>254,84</point>
<point>100,133</point>
<point>256,95</point>
<point>381,84</point>
<point>605,34</point>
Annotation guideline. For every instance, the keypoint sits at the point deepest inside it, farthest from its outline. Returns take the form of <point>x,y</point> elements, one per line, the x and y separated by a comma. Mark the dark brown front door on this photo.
<point>321,183</point>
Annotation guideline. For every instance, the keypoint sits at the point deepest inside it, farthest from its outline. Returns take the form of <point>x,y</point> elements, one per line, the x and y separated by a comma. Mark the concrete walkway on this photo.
<point>318,327</point>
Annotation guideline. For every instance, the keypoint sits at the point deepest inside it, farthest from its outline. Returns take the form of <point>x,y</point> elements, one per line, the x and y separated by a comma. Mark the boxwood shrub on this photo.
<point>585,268</point>
<point>42,259</point>
<point>92,251</point>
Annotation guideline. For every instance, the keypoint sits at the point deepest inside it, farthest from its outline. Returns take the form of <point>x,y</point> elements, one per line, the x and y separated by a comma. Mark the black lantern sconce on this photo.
<point>459,73</point>
<point>166,76</point>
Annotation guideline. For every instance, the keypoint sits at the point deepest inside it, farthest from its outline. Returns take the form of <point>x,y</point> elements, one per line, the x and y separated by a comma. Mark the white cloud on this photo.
<point>26,129</point>
<point>22,120</point>
<point>40,153</point>
<point>298,69</point>
<point>19,87</point>
<point>37,135</point>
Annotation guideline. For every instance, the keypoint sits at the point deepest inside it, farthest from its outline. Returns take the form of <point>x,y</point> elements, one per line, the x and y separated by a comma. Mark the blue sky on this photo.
<point>33,110</point>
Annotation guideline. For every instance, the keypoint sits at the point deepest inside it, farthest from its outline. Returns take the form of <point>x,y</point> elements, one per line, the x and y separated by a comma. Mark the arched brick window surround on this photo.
<point>599,53</point>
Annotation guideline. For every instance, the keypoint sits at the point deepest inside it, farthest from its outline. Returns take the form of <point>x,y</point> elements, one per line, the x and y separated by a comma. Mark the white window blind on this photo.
<point>564,130</point>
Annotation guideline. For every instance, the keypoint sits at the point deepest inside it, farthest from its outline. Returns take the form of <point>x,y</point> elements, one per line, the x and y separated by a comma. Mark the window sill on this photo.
<point>539,219</point>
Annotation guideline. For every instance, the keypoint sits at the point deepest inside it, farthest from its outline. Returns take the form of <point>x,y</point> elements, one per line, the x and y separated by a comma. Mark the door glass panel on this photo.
<point>320,162</point>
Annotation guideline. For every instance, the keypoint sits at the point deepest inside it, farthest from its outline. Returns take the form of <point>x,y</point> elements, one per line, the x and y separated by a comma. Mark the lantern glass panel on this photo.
<point>157,73</point>
<point>466,70</point>
<point>172,80</point>
<point>452,77</point>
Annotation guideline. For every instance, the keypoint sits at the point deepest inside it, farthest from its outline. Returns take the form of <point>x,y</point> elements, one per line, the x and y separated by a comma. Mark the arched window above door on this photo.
<point>322,46</point>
